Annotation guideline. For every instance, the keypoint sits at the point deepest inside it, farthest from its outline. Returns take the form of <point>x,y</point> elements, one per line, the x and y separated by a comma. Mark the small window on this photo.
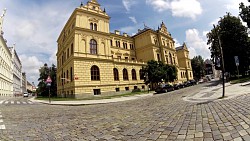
<point>133,58</point>
<point>127,88</point>
<point>133,74</point>
<point>93,46</point>
<point>117,89</point>
<point>135,87</point>
<point>125,74</point>
<point>91,26</point>
<point>126,58</point>
<point>97,91</point>
<point>111,43</point>
<point>95,73</point>
<point>116,74</point>
<point>95,27</point>
<point>158,57</point>
<point>143,86</point>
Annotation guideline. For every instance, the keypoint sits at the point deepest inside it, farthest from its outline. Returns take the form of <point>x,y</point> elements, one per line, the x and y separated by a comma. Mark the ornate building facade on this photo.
<point>93,61</point>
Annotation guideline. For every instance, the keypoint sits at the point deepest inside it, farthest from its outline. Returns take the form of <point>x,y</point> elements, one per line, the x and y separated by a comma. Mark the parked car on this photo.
<point>164,88</point>
<point>193,82</point>
<point>178,86</point>
<point>25,94</point>
<point>187,84</point>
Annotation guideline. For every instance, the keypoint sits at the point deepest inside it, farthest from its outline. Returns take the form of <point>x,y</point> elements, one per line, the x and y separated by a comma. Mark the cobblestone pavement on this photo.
<point>160,117</point>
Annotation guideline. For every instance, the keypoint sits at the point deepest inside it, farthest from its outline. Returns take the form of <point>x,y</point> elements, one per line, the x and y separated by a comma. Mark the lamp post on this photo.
<point>222,62</point>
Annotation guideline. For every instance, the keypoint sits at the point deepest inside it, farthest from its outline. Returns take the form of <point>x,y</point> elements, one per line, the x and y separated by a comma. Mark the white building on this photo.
<point>24,82</point>
<point>6,76</point>
<point>17,72</point>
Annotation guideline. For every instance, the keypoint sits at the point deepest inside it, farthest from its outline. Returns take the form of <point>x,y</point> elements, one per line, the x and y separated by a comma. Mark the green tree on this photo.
<point>156,72</point>
<point>198,67</point>
<point>46,71</point>
<point>245,13</point>
<point>234,41</point>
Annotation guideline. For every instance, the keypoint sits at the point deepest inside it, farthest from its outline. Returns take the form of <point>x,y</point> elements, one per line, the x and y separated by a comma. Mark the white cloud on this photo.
<point>160,5</point>
<point>133,19</point>
<point>196,44</point>
<point>179,8</point>
<point>177,44</point>
<point>186,8</point>
<point>31,64</point>
<point>128,3</point>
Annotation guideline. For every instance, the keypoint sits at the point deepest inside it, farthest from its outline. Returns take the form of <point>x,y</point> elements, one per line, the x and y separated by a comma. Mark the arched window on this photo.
<point>171,59</point>
<point>133,74</point>
<point>141,74</point>
<point>116,74</point>
<point>125,74</point>
<point>95,27</point>
<point>91,26</point>
<point>95,73</point>
<point>93,46</point>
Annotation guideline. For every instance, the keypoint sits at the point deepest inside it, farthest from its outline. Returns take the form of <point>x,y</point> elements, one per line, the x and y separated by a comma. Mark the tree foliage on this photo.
<point>245,13</point>
<point>46,71</point>
<point>156,72</point>
<point>198,67</point>
<point>234,42</point>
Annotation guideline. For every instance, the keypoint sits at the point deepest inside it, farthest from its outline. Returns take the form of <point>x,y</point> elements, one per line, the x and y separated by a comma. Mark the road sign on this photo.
<point>48,80</point>
<point>236,59</point>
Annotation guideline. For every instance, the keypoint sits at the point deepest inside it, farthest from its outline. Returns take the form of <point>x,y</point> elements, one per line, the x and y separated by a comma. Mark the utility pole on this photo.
<point>222,63</point>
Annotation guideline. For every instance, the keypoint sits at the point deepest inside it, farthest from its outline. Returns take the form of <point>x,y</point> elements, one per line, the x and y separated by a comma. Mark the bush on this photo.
<point>136,90</point>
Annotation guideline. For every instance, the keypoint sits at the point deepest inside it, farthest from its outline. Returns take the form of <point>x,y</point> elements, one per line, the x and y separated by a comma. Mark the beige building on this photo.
<point>93,61</point>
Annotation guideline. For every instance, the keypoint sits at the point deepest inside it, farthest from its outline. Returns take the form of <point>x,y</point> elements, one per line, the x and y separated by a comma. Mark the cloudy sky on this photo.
<point>34,25</point>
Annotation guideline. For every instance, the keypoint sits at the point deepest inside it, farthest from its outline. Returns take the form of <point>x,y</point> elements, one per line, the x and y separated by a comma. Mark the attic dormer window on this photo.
<point>93,7</point>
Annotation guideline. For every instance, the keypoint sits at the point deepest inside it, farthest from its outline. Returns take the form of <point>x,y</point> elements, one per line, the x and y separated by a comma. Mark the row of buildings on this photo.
<point>93,61</point>
<point>12,80</point>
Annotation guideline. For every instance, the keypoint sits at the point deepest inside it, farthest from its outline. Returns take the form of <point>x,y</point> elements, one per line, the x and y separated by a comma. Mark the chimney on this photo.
<point>117,32</point>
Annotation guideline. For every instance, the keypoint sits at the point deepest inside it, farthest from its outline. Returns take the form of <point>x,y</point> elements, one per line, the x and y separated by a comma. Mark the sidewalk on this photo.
<point>215,92</point>
<point>89,102</point>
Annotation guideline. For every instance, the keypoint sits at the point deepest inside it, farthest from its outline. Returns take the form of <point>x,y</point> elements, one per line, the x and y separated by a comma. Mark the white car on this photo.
<point>25,94</point>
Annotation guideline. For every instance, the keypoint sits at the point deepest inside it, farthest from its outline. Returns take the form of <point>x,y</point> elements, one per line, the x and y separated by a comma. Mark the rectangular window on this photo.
<point>133,58</point>
<point>143,87</point>
<point>126,58</point>
<point>72,49</point>
<point>158,57</point>
<point>111,43</point>
<point>117,89</point>
<point>135,87</point>
<point>119,57</point>
<point>127,88</point>
<point>97,91</point>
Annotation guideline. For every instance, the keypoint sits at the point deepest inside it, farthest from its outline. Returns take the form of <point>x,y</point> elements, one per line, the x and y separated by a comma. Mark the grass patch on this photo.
<point>241,80</point>
<point>93,98</point>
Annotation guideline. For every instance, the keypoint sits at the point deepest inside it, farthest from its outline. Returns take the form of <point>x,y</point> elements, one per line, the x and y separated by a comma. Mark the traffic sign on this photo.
<point>236,59</point>
<point>48,80</point>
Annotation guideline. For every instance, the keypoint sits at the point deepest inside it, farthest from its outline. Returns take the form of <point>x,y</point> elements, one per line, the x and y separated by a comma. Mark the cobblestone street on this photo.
<point>160,117</point>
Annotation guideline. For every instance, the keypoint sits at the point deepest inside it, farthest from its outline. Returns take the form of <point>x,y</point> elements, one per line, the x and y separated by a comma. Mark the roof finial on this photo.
<point>81,4</point>
<point>104,10</point>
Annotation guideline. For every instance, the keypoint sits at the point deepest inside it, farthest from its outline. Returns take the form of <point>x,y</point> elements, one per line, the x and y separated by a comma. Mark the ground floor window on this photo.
<point>135,87</point>
<point>143,87</point>
<point>127,88</point>
<point>97,91</point>
<point>117,89</point>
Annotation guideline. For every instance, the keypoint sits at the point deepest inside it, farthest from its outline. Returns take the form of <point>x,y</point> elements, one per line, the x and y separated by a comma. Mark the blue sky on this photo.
<point>34,25</point>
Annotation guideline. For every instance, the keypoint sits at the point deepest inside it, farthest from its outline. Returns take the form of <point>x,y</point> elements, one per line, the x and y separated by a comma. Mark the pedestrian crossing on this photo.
<point>2,126</point>
<point>15,102</point>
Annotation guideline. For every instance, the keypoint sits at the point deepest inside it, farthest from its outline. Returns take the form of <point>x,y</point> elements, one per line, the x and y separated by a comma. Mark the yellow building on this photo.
<point>93,61</point>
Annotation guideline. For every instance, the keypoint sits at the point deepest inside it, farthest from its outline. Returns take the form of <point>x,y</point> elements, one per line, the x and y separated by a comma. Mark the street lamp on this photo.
<point>222,62</point>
